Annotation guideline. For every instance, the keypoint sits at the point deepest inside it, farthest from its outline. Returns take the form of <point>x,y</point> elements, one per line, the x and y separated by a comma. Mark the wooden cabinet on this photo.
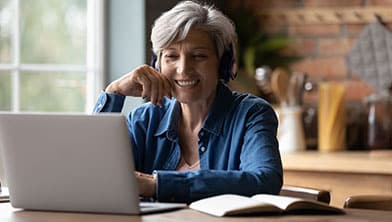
<point>342,173</point>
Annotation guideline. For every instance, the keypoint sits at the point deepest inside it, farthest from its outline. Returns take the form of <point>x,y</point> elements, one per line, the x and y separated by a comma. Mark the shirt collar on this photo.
<point>213,123</point>
<point>169,121</point>
<point>215,119</point>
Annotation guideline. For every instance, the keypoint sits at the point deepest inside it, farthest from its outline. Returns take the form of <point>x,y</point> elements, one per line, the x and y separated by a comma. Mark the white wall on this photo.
<point>126,44</point>
<point>2,178</point>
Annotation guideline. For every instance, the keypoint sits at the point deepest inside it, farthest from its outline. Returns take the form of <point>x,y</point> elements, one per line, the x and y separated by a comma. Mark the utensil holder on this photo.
<point>291,134</point>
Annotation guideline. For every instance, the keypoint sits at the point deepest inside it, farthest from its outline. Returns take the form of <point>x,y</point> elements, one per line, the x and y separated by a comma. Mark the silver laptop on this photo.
<point>71,162</point>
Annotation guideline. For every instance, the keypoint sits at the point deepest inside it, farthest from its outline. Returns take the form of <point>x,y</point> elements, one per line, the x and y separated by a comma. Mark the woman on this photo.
<point>196,137</point>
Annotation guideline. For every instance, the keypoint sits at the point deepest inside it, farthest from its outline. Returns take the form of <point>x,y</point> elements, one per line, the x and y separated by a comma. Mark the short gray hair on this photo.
<point>175,24</point>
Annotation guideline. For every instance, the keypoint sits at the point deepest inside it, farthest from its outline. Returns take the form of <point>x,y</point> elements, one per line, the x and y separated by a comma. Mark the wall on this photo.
<point>125,41</point>
<point>323,47</point>
<point>2,177</point>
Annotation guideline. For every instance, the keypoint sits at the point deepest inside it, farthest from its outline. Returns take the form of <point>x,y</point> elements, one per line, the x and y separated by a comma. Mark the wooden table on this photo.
<point>342,173</point>
<point>7,213</point>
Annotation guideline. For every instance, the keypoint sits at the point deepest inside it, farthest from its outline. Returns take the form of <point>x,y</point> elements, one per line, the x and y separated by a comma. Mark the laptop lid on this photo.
<point>66,162</point>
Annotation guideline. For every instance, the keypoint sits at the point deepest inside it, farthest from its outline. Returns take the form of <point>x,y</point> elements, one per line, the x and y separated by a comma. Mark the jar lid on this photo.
<point>384,96</point>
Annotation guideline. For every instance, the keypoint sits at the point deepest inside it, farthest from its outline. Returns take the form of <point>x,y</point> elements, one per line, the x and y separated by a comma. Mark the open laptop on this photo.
<point>4,195</point>
<point>71,162</point>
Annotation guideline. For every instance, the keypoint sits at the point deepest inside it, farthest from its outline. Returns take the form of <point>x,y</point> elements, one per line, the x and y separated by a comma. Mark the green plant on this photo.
<point>257,48</point>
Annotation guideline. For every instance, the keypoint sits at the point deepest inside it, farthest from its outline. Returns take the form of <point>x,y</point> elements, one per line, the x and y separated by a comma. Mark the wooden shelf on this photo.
<point>342,15</point>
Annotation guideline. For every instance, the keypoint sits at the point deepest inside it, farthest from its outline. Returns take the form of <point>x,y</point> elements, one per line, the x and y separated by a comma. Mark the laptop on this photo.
<point>4,195</point>
<point>71,162</point>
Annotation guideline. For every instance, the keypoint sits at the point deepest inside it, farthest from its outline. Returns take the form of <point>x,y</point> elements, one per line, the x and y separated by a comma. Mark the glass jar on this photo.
<point>379,124</point>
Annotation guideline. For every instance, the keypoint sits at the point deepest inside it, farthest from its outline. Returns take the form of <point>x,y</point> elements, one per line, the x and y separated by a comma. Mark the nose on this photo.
<point>184,64</point>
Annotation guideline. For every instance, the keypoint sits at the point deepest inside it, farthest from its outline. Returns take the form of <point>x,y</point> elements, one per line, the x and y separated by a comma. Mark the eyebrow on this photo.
<point>196,48</point>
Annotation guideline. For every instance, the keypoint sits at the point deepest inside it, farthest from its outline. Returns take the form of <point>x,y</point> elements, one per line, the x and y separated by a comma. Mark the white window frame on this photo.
<point>95,61</point>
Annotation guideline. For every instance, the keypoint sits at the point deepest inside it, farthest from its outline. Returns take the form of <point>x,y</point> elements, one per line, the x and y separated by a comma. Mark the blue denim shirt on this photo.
<point>238,149</point>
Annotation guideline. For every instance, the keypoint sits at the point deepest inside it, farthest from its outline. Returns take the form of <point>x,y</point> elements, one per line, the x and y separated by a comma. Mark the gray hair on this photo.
<point>175,24</point>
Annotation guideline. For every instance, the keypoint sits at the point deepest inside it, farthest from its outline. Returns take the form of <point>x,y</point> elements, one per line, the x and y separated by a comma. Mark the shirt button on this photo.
<point>202,133</point>
<point>203,148</point>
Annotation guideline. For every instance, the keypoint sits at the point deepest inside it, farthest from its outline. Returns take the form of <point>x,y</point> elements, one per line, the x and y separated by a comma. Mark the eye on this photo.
<point>200,56</point>
<point>171,56</point>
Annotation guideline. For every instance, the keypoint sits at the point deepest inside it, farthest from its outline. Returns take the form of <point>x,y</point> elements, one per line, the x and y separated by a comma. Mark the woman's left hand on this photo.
<point>147,184</point>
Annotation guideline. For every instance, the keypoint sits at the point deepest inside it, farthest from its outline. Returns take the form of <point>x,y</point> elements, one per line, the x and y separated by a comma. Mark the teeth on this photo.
<point>186,83</point>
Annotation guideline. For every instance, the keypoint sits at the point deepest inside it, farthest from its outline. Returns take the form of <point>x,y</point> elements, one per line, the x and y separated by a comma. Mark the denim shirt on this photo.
<point>238,149</point>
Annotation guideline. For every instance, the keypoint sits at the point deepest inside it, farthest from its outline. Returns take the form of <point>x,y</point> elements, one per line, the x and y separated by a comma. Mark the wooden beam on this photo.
<point>346,15</point>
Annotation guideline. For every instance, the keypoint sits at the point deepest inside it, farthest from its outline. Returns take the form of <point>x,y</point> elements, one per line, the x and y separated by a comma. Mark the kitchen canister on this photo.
<point>291,134</point>
<point>331,117</point>
<point>379,124</point>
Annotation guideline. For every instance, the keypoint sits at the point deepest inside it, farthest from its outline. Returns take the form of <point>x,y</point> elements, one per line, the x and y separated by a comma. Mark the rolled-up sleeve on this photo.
<point>109,102</point>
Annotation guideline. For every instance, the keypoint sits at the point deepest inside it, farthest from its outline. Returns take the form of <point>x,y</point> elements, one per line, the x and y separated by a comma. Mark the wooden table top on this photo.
<point>7,213</point>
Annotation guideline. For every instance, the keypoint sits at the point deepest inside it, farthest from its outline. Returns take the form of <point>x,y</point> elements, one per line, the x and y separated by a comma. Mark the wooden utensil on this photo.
<point>296,88</point>
<point>279,84</point>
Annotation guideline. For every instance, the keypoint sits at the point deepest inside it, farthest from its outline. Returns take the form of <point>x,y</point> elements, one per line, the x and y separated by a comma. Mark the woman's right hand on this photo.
<point>143,81</point>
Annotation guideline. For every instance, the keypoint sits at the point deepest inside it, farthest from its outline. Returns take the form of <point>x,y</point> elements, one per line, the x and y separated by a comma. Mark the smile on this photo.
<point>186,82</point>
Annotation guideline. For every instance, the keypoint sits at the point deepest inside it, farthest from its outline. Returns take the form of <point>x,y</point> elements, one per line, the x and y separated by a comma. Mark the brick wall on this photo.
<point>322,47</point>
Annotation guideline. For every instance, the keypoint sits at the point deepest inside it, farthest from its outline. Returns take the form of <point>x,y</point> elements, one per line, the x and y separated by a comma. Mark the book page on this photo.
<point>280,201</point>
<point>296,204</point>
<point>229,204</point>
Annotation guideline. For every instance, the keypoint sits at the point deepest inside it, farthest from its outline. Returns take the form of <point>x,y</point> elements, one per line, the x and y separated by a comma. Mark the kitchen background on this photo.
<point>56,56</point>
<point>313,38</point>
<point>310,40</point>
<point>322,34</point>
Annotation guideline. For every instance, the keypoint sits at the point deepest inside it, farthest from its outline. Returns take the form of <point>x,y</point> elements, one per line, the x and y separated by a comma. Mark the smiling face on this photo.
<point>192,67</point>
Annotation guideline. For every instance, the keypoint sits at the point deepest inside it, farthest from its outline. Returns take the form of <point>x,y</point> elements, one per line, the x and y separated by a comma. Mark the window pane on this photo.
<point>53,31</point>
<point>5,91</point>
<point>6,20</point>
<point>53,92</point>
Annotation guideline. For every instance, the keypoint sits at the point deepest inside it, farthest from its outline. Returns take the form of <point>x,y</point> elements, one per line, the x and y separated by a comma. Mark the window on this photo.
<point>51,55</point>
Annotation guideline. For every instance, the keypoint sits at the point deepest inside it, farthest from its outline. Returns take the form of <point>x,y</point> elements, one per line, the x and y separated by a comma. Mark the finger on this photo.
<point>140,83</point>
<point>155,82</point>
<point>162,89</point>
<point>162,92</point>
<point>145,84</point>
<point>168,87</point>
<point>165,87</point>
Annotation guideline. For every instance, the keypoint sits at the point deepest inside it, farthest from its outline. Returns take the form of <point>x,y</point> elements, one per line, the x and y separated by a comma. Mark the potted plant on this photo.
<point>256,49</point>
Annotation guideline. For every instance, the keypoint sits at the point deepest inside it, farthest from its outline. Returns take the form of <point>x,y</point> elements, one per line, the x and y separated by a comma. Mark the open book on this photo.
<point>230,204</point>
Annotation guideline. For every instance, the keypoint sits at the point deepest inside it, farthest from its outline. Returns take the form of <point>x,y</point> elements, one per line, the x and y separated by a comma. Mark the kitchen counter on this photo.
<point>374,162</point>
<point>342,173</point>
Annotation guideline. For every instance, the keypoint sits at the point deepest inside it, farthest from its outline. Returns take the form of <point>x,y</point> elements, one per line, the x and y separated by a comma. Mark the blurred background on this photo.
<point>325,66</point>
<point>56,56</point>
